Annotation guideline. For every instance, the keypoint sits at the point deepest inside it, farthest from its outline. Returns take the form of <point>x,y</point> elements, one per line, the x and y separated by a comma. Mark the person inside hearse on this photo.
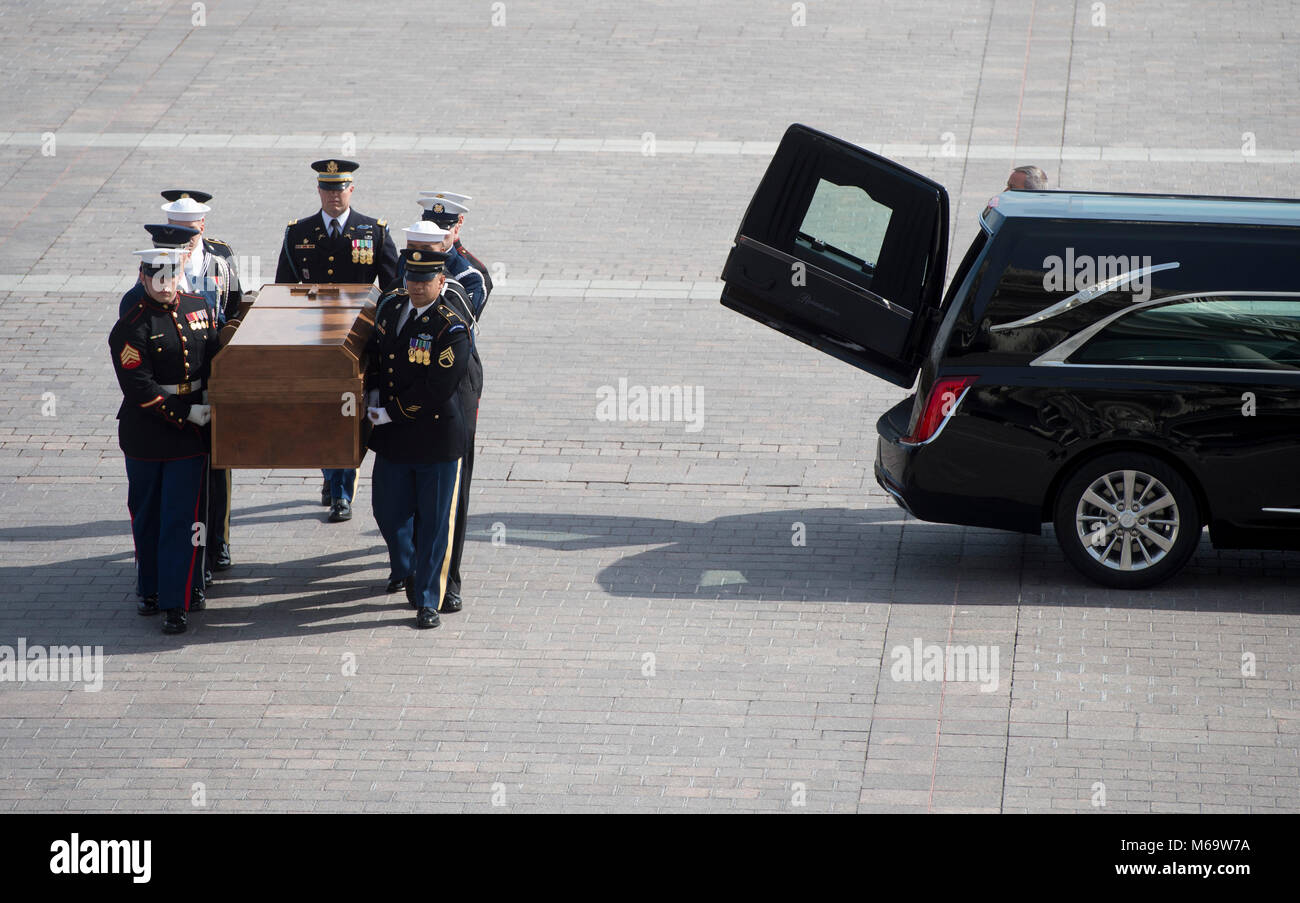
<point>1026,178</point>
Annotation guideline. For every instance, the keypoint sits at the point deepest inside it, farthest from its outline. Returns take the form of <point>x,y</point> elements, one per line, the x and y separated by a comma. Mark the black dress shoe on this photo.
<point>147,606</point>
<point>451,602</point>
<point>198,600</point>
<point>175,621</point>
<point>427,618</point>
<point>395,585</point>
<point>341,510</point>
<point>325,493</point>
<point>410,593</point>
<point>223,558</point>
<point>207,577</point>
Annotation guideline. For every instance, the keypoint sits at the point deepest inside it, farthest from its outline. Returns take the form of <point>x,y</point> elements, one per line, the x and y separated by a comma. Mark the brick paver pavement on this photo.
<point>660,616</point>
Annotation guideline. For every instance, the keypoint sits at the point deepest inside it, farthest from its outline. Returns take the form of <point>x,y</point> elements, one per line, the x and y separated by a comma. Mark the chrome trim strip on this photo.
<point>1281,510</point>
<point>1083,296</point>
<point>1056,357</point>
<point>898,499</point>
<point>841,282</point>
<point>942,423</point>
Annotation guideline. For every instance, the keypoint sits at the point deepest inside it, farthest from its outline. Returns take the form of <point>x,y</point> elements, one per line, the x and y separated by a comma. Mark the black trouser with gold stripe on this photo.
<point>462,518</point>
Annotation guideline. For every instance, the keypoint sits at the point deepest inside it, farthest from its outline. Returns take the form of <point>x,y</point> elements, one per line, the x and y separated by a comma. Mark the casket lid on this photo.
<point>311,295</point>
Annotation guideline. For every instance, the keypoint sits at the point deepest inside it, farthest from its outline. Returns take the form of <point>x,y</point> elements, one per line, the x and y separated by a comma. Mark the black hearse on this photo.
<point>1125,366</point>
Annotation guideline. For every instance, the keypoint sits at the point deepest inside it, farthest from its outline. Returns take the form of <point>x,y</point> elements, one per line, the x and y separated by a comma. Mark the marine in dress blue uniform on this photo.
<point>161,351</point>
<point>416,359</point>
<point>338,244</point>
<point>212,273</point>
<point>180,238</point>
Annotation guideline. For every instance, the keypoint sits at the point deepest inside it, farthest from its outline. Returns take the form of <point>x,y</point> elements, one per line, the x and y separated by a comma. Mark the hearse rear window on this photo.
<point>845,225</point>
<point>1254,334</point>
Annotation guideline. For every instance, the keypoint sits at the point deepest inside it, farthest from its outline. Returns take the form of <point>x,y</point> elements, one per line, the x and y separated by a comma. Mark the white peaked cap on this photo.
<point>425,231</point>
<point>447,196</point>
<point>448,207</point>
<point>161,256</point>
<point>186,210</point>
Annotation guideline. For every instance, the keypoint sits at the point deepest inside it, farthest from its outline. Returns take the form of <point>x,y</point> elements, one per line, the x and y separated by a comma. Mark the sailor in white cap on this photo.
<point>211,270</point>
<point>211,274</point>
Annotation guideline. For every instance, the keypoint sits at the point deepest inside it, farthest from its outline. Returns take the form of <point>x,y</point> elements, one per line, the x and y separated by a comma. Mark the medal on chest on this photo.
<point>420,350</point>
<point>198,319</point>
<point>363,250</point>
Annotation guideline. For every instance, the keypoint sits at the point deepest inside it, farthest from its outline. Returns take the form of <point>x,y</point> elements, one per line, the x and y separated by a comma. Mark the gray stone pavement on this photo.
<point>642,630</point>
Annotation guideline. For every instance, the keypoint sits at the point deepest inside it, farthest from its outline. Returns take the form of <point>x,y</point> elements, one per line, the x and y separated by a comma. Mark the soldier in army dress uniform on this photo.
<point>417,356</point>
<point>338,244</point>
<point>426,236</point>
<point>162,350</point>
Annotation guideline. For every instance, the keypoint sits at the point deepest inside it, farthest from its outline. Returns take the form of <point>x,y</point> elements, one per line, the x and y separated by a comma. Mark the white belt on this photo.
<point>184,388</point>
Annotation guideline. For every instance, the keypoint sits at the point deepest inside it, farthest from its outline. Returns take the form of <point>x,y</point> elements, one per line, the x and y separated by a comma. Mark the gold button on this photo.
<point>329,272</point>
<point>331,258</point>
<point>390,357</point>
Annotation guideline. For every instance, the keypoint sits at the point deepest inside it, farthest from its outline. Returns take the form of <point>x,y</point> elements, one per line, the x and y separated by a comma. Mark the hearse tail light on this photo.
<point>943,399</point>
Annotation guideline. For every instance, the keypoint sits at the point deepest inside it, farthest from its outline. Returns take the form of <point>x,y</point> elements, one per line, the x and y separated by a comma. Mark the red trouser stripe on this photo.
<point>198,500</point>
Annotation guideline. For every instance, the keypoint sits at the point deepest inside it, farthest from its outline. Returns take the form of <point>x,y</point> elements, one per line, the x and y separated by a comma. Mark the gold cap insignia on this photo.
<point>183,196</point>
<point>438,208</point>
<point>332,166</point>
<point>415,255</point>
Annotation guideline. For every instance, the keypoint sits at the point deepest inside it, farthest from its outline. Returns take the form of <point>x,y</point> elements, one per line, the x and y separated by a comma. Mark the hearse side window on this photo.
<point>845,225</point>
<point>1245,333</point>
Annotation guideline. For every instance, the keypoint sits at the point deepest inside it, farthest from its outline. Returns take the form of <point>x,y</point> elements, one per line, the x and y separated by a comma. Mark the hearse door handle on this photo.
<point>756,283</point>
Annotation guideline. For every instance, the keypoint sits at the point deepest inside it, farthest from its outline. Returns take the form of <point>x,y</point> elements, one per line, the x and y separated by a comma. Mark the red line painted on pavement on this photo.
<point>1024,77</point>
<point>943,690</point>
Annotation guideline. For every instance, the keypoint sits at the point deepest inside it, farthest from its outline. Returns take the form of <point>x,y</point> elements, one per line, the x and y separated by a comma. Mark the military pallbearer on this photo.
<point>161,351</point>
<point>417,356</point>
<point>338,244</point>
<point>211,272</point>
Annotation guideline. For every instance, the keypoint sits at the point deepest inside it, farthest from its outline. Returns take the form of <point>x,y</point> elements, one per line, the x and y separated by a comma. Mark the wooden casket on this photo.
<point>286,390</point>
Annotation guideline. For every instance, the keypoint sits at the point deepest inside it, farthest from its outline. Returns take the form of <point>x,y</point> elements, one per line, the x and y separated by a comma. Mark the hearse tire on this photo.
<point>1127,520</point>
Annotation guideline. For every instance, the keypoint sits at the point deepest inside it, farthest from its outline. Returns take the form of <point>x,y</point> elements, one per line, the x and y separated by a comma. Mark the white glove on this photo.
<point>199,414</point>
<point>372,398</point>
<point>378,416</point>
